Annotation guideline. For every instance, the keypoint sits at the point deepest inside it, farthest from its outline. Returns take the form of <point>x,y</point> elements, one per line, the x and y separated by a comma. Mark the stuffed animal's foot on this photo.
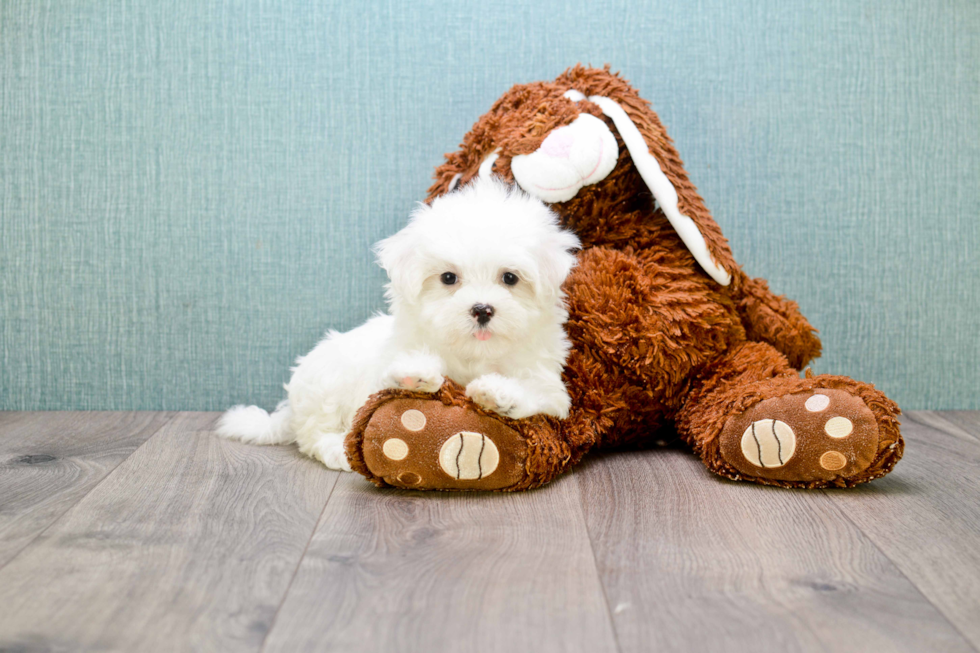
<point>816,438</point>
<point>445,441</point>
<point>418,444</point>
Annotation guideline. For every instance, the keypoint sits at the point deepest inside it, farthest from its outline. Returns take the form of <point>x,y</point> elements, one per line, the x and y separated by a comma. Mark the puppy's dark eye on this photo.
<point>510,278</point>
<point>448,278</point>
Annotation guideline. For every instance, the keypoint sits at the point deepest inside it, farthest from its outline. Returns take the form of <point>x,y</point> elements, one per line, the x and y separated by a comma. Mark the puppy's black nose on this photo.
<point>482,313</point>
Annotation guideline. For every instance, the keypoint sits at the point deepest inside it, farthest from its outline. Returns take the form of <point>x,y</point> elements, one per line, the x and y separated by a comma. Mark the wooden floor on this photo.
<point>145,532</point>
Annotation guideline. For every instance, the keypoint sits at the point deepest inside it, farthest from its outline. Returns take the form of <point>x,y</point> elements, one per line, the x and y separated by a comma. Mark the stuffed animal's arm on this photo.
<point>776,320</point>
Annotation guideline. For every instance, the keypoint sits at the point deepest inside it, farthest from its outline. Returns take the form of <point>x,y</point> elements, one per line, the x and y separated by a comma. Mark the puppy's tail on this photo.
<point>253,425</point>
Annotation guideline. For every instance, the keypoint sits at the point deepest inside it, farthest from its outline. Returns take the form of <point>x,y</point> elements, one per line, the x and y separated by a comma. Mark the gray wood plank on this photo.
<point>190,544</point>
<point>49,461</point>
<point>926,516</point>
<point>10,416</point>
<point>400,571</point>
<point>957,423</point>
<point>968,420</point>
<point>693,562</point>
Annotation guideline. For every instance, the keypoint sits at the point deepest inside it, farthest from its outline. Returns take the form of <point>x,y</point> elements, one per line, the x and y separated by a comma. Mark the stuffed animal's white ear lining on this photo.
<point>663,191</point>
<point>486,168</point>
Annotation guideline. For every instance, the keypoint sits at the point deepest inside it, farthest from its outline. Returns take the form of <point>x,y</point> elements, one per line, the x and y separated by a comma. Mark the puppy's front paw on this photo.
<point>329,450</point>
<point>497,393</point>
<point>420,373</point>
<point>421,382</point>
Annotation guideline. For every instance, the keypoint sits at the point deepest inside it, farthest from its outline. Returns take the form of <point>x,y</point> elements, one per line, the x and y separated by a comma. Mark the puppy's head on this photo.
<point>480,268</point>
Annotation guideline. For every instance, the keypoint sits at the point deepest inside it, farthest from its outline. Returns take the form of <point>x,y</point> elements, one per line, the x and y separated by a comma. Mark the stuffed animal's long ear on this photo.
<point>465,163</point>
<point>659,164</point>
<point>447,176</point>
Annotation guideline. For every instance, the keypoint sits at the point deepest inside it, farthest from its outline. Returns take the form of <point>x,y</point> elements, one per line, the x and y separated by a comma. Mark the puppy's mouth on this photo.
<point>483,334</point>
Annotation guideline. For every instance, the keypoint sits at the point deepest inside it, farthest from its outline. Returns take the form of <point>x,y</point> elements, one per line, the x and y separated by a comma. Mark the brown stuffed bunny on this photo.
<point>668,332</point>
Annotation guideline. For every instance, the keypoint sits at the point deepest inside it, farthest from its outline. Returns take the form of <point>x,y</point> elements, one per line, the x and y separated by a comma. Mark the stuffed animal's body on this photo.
<point>669,334</point>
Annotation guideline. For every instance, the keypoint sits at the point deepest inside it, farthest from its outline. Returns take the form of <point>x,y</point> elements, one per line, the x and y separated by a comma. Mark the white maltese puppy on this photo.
<point>475,295</point>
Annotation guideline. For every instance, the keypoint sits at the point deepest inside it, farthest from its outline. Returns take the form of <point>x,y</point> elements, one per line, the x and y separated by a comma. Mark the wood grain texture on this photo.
<point>692,562</point>
<point>190,544</point>
<point>399,571</point>
<point>196,543</point>
<point>49,461</point>
<point>926,515</point>
<point>957,423</point>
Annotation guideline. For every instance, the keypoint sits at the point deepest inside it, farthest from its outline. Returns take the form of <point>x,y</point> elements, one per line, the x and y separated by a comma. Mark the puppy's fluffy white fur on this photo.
<point>465,250</point>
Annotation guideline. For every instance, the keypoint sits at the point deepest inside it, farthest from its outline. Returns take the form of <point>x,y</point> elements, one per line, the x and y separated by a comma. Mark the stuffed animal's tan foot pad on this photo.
<point>421,444</point>
<point>814,436</point>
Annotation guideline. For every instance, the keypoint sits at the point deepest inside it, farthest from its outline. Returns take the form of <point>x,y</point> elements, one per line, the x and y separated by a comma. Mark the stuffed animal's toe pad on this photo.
<point>813,436</point>
<point>768,443</point>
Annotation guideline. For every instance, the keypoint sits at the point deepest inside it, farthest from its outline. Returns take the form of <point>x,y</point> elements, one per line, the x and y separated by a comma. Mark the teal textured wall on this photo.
<point>189,190</point>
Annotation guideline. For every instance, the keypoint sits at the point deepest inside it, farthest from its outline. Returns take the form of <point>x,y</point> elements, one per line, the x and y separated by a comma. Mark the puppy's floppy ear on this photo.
<point>556,258</point>
<point>399,256</point>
